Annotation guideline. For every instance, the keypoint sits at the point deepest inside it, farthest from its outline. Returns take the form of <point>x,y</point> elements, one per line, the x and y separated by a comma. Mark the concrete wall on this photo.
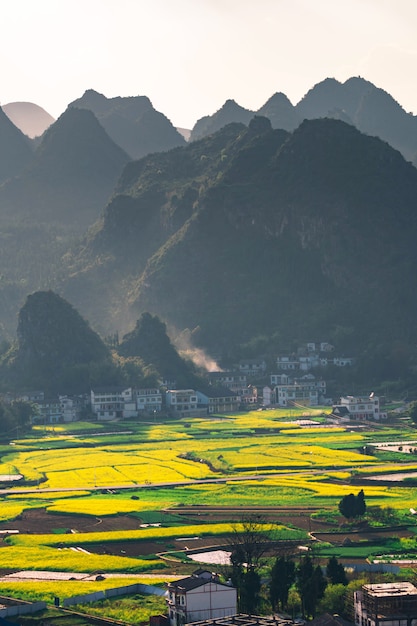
<point>112,593</point>
<point>22,609</point>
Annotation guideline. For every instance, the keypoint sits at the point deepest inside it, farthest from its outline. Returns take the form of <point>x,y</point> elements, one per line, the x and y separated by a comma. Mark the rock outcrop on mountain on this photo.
<point>15,149</point>
<point>132,123</point>
<point>30,118</point>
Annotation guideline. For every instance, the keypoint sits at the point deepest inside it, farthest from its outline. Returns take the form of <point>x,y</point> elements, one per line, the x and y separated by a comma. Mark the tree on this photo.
<point>360,504</point>
<point>249,542</point>
<point>413,412</point>
<point>250,588</point>
<point>282,577</point>
<point>353,506</point>
<point>335,572</point>
<point>311,585</point>
<point>333,600</point>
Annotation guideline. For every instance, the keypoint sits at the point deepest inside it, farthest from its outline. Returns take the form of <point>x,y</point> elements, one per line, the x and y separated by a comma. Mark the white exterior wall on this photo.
<point>363,408</point>
<point>210,601</point>
<point>266,396</point>
<point>148,400</point>
<point>207,601</point>
<point>109,405</point>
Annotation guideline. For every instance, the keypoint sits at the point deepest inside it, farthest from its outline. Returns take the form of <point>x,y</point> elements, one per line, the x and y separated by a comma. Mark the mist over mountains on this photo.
<point>297,222</point>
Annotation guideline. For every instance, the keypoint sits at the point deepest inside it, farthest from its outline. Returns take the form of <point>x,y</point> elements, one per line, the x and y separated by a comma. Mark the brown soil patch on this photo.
<point>39,521</point>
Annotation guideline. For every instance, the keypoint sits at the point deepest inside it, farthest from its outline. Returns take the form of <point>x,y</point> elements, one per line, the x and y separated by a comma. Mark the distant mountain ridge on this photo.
<point>357,101</point>
<point>132,123</point>
<point>30,118</point>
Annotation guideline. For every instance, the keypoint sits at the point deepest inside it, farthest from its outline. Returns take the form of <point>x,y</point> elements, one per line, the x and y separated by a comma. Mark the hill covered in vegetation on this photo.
<point>259,232</point>
<point>57,352</point>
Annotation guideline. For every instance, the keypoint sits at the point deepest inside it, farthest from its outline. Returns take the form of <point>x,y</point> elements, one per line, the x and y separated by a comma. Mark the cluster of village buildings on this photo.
<point>249,384</point>
<point>202,599</point>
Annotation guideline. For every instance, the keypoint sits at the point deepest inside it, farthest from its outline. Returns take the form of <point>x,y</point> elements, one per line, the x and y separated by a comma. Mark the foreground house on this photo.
<point>200,597</point>
<point>386,604</point>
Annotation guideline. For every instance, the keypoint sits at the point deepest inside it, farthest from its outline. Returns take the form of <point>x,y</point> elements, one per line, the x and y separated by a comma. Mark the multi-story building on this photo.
<point>235,381</point>
<point>362,408</point>
<point>253,367</point>
<point>386,604</point>
<point>279,379</point>
<point>218,399</point>
<point>307,392</point>
<point>148,400</point>
<point>287,363</point>
<point>47,411</point>
<point>184,403</point>
<point>199,597</point>
<point>72,407</point>
<point>110,403</point>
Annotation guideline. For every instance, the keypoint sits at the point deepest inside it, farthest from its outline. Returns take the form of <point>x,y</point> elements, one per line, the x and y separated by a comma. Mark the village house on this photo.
<point>148,400</point>
<point>200,597</point>
<point>343,361</point>
<point>111,403</point>
<point>47,411</point>
<point>279,379</point>
<point>184,403</point>
<point>253,368</point>
<point>305,393</point>
<point>218,399</point>
<point>360,408</point>
<point>386,604</point>
<point>234,381</point>
<point>72,407</point>
<point>286,363</point>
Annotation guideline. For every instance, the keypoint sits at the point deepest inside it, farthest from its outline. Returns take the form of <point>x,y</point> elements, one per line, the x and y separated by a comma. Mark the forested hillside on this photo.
<point>254,231</point>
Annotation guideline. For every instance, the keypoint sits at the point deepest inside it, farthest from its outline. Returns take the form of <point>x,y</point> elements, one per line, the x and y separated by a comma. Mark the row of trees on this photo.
<point>250,541</point>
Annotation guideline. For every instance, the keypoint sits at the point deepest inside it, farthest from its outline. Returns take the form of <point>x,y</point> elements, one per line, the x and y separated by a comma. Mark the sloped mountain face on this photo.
<point>154,199</point>
<point>132,123</point>
<point>323,97</point>
<point>293,234</point>
<point>30,118</point>
<point>282,114</point>
<point>15,150</point>
<point>55,344</point>
<point>229,112</point>
<point>73,173</point>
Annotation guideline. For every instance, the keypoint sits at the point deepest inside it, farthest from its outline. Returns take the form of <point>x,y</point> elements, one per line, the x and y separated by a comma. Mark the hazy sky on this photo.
<point>189,56</point>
